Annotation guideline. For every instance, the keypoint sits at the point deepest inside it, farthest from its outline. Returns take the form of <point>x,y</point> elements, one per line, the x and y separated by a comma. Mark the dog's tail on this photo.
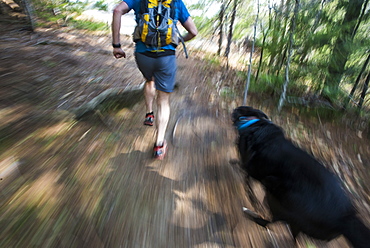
<point>355,231</point>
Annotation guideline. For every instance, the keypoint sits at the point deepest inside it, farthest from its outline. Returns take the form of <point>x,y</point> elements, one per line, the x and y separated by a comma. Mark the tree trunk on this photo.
<point>290,51</point>
<point>261,57</point>
<point>364,90</point>
<point>221,16</point>
<point>282,43</point>
<point>306,45</point>
<point>282,59</point>
<point>341,51</point>
<point>360,18</point>
<point>263,45</point>
<point>30,14</point>
<point>357,81</point>
<point>231,28</point>
<point>251,55</point>
<point>276,32</point>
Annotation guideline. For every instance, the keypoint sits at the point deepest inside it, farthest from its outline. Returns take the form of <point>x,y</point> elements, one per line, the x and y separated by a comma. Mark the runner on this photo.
<point>156,63</point>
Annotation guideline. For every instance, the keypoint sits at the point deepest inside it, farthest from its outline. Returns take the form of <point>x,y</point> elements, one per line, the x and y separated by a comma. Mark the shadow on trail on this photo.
<point>148,209</point>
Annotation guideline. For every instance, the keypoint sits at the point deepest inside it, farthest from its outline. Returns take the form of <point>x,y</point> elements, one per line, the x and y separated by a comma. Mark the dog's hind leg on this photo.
<point>256,217</point>
<point>262,222</point>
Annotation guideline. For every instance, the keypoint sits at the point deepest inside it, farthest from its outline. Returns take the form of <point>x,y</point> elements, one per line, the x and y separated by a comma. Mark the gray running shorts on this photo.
<point>162,69</point>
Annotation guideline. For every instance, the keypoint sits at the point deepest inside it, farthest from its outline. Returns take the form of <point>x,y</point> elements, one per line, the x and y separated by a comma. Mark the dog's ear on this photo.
<point>239,112</point>
<point>235,116</point>
<point>245,111</point>
<point>261,115</point>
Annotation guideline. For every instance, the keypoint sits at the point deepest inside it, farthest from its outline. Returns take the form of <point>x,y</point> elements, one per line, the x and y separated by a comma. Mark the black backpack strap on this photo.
<point>182,42</point>
<point>173,10</point>
<point>143,7</point>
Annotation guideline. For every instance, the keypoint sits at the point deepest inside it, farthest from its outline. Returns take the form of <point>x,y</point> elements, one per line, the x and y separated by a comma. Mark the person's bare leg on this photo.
<point>163,115</point>
<point>149,94</point>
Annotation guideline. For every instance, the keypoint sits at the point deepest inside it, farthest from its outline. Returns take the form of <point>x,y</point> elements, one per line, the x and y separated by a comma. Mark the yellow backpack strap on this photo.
<point>145,31</point>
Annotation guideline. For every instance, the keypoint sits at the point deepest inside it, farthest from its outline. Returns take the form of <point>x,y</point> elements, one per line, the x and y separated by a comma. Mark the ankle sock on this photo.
<point>160,144</point>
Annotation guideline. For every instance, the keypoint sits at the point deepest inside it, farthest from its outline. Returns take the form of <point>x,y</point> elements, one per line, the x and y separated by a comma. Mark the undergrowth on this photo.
<point>65,14</point>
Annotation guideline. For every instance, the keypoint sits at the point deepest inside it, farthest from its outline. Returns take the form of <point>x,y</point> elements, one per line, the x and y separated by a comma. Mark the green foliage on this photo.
<point>213,59</point>
<point>268,84</point>
<point>320,29</point>
<point>64,13</point>
<point>59,7</point>
<point>227,93</point>
<point>101,5</point>
<point>88,25</point>
<point>208,26</point>
<point>205,26</point>
<point>244,28</point>
<point>242,74</point>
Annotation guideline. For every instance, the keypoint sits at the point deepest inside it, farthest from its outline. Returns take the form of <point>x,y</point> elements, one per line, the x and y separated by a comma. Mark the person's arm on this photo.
<point>118,11</point>
<point>191,28</point>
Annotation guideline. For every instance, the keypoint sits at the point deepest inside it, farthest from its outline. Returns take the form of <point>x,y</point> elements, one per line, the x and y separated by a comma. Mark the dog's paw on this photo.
<point>234,162</point>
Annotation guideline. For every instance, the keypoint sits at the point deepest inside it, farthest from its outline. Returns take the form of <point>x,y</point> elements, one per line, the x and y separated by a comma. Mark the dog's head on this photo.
<point>247,113</point>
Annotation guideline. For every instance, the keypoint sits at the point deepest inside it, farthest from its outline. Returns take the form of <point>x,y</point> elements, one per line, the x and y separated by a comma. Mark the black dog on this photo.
<point>299,190</point>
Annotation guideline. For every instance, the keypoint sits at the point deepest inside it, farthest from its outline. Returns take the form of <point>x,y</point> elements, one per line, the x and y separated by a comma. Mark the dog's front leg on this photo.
<point>256,204</point>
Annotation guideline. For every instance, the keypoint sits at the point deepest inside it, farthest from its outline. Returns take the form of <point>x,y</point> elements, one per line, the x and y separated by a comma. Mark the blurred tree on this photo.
<point>231,27</point>
<point>221,20</point>
<point>278,44</point>
<point>364,90</point>
<point>290,51</point>
<point>330,38</point>
<point>264,36</point>
<point>251,55</point>
<point>101,5</point>
<point>342,49</point>
<point>350,96</point>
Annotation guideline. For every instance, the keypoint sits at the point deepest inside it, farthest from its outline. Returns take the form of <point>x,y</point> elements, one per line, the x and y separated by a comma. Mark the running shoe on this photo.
<point>149,119</point>
<point>160,151</point>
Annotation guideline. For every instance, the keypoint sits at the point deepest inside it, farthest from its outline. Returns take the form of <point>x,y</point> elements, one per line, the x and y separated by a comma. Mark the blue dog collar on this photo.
<point>245,124</point>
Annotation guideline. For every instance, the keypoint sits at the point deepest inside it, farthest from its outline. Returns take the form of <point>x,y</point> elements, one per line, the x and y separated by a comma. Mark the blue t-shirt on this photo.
<point>182,15</point>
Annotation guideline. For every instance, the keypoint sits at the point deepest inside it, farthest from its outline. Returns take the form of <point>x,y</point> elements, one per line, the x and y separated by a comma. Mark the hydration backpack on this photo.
<point>157,23</point>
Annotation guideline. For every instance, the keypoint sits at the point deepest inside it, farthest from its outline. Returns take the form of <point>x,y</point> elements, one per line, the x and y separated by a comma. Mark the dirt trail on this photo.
<point>93,183</point>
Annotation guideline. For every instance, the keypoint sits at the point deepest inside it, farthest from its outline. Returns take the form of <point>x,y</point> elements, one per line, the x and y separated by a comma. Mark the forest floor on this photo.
<point>92,182</point>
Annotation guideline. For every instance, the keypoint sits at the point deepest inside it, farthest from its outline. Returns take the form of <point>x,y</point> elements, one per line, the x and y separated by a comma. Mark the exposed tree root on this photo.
<point>126,97</point>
